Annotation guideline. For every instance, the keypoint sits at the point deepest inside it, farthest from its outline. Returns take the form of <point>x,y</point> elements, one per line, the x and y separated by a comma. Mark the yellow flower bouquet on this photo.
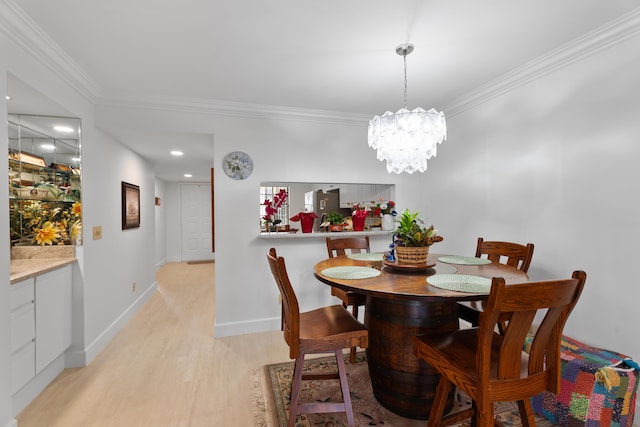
<point>40,223</point>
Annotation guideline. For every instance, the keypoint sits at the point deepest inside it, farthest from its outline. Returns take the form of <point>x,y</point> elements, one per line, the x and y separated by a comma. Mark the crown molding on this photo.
<point>604,37</point>
<point>234,109</point>
<point>22,30</point>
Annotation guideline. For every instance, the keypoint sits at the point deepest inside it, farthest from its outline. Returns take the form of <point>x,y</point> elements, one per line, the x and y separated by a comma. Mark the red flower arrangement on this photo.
<point>272,207</point>
<point>306,220</point>
<point>385,208</point>
<point>302,215</point>
<point>360,211</point>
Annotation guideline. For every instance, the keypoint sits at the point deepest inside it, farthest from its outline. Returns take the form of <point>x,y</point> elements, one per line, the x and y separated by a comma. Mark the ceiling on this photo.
<point>333,56</point>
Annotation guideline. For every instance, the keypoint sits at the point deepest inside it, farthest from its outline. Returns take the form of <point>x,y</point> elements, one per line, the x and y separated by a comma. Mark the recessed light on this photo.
<point>187,175</point>
<point>48,146</point>
<point>177,153</point>
<point>8,98</point>
<point>65,129</point>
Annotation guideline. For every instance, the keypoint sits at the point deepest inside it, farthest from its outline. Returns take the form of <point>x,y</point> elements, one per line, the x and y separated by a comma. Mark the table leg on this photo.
<point>401,382</point>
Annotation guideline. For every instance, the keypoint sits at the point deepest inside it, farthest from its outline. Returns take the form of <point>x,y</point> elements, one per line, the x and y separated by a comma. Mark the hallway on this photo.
<point>163,368</point>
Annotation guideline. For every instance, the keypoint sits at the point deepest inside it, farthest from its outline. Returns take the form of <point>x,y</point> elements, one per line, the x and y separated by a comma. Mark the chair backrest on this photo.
<point>337,247</point>
<point>290,307</point>
<point>516,255</point>
<point>521,302</point>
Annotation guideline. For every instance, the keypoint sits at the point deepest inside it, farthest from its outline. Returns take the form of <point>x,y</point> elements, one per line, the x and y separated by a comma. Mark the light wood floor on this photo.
<point>164,368</point>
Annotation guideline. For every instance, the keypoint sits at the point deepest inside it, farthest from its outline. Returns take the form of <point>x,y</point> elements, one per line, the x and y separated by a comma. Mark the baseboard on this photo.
<point>84,357</point>
<point>246,327</point>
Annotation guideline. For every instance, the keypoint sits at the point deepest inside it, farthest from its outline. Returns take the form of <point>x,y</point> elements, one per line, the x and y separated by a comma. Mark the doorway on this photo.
<point>195,222</point>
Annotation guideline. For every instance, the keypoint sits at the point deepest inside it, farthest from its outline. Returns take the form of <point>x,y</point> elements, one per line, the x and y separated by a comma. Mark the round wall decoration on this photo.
<point>237,165</point>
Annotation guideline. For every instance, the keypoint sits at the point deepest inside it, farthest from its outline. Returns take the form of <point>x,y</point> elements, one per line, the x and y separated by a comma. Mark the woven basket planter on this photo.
<point>411,255</point>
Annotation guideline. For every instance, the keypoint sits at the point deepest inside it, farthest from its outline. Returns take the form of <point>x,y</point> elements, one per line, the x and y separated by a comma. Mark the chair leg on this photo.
<point>346,395</point>
<point>352,355</point>
<point>294,402</point>
<point>484,415</point>
<point>526,413</point>
<point>439,402</point>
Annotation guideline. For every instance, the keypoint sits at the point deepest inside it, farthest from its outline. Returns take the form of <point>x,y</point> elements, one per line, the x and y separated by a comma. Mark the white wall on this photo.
<point>556,163</point>
<point>246,296</point>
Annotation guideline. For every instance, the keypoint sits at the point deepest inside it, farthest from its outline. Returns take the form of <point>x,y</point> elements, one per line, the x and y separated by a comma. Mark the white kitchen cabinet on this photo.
<point>23,333</point>
<point>53,315</point>
<point>40,323</point>
<point>368,194</point>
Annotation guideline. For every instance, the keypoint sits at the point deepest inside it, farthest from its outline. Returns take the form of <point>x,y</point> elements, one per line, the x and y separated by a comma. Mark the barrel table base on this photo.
<point>401,382</point>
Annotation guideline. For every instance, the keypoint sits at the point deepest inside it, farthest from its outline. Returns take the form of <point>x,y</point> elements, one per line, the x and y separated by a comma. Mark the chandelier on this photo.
<point>407,139</point>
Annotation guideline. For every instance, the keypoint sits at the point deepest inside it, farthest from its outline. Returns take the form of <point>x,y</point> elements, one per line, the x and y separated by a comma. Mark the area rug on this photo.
<point>276,387</point>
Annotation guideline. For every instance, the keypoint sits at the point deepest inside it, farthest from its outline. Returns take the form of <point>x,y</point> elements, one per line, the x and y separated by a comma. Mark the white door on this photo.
<point>195,219</point>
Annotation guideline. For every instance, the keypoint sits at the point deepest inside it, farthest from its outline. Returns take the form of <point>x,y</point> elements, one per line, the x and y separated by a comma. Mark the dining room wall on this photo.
<point>555,162</point>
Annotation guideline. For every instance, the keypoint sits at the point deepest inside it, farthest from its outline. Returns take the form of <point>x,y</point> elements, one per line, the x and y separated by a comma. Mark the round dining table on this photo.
<point>401,303</point>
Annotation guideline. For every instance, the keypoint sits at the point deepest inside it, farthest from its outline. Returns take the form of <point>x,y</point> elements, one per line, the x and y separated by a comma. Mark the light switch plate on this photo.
<point>97,233</point>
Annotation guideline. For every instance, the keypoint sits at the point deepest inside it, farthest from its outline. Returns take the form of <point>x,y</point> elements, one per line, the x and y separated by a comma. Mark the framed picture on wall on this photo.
<point>130,206</point>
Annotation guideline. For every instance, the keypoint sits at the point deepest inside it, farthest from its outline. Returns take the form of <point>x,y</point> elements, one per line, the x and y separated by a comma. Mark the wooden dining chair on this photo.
<point>513,254</point>
<point>345,246</point>
<point>323,330</point>
<point>492,367</point>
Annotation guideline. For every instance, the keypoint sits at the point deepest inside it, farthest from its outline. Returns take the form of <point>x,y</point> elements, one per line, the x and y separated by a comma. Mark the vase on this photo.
<point>388,223</point>
<point>412,255</point>
<point>358,223</point>
<point>335,227</point>
<point>307,224</point>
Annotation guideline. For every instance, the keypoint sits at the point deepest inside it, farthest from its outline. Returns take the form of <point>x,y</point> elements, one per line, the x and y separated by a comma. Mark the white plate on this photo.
<point>350,272</point>
<point>364,256</point>
<point>463,260</point>
<point>237,165</point>
<point>461,283</point>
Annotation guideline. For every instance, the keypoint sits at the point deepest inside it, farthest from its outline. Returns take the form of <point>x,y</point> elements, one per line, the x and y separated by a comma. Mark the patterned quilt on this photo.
<point>598,388</point>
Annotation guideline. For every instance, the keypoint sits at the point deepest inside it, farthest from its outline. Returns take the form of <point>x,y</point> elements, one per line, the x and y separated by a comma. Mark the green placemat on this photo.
<point>364,256</point>
<point>464,260</point>
<point>350,272</point>
<point>461,283</point>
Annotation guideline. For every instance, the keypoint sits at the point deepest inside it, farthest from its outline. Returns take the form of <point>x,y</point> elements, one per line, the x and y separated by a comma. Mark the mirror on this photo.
<point>44,180</point>
<point>324,198</point>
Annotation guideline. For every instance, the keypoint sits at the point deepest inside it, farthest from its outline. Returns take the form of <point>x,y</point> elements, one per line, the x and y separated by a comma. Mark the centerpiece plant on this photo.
<point>412,238</point>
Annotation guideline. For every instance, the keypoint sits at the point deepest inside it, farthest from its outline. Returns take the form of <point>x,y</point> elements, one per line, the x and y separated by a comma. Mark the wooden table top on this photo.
<point>396,283</point>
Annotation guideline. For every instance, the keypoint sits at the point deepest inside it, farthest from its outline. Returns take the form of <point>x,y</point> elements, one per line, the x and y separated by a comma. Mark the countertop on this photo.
<point>32,261</point>
<point>324,234</point>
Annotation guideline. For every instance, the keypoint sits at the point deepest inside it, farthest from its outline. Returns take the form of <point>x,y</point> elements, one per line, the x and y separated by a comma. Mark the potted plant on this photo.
<point>271,210</point>
<point>306,220</point>
<point>359,215</point>
<point>387,212</point>
<point>412,239</point>
<point>335,220</point>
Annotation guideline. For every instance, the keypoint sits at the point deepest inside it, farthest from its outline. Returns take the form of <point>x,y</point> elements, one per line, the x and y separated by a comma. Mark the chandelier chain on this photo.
<point>405,81</point>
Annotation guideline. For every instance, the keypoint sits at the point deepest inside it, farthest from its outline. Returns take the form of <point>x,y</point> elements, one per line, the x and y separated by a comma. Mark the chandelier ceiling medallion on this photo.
<point>407,139</point>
